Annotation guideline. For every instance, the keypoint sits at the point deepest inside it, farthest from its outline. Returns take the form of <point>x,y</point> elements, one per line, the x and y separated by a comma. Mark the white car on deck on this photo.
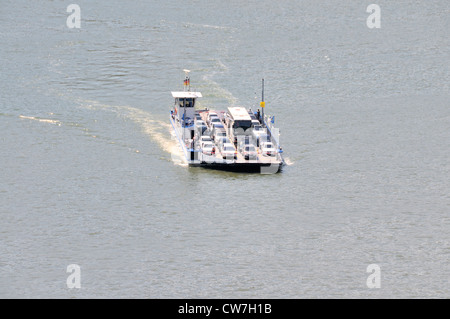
<point>208,148</point>
<point>268,149</point>
<point>228,151</point>
<point>218,135</point>
<point>205,139</point>
<point>249,152</point>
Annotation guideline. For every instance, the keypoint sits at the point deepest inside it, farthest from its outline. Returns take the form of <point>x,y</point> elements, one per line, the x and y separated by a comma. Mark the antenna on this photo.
<point>262,95</point>
<point>262,104</point>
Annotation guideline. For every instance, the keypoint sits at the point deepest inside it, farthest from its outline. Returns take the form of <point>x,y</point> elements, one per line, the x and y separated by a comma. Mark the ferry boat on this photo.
<point>236,139</point>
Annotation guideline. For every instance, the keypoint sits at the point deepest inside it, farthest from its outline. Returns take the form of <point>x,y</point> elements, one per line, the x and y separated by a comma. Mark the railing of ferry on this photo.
<point>272,130</point>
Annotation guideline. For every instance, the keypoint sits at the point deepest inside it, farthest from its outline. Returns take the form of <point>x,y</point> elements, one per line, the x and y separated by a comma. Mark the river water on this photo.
<point>88,163</point>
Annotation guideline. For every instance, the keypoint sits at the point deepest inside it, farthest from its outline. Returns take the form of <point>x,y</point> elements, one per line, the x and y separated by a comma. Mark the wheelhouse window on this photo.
<point>186,102</point>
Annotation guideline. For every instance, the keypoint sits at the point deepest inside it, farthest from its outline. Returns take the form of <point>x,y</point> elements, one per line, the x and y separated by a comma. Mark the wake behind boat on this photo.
<point>234,140</point>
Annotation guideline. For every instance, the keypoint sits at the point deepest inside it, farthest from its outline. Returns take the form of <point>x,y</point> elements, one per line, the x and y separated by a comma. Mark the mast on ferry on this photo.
<point>262,103</point>
<point>187,80</point>
<point>187,87</point>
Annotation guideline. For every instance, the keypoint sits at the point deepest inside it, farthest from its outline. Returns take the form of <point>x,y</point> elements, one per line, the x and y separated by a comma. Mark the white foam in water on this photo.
<point>215,89</point>
<point>288,161</point>
<point>50,121</point>
<point>159,131</point>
